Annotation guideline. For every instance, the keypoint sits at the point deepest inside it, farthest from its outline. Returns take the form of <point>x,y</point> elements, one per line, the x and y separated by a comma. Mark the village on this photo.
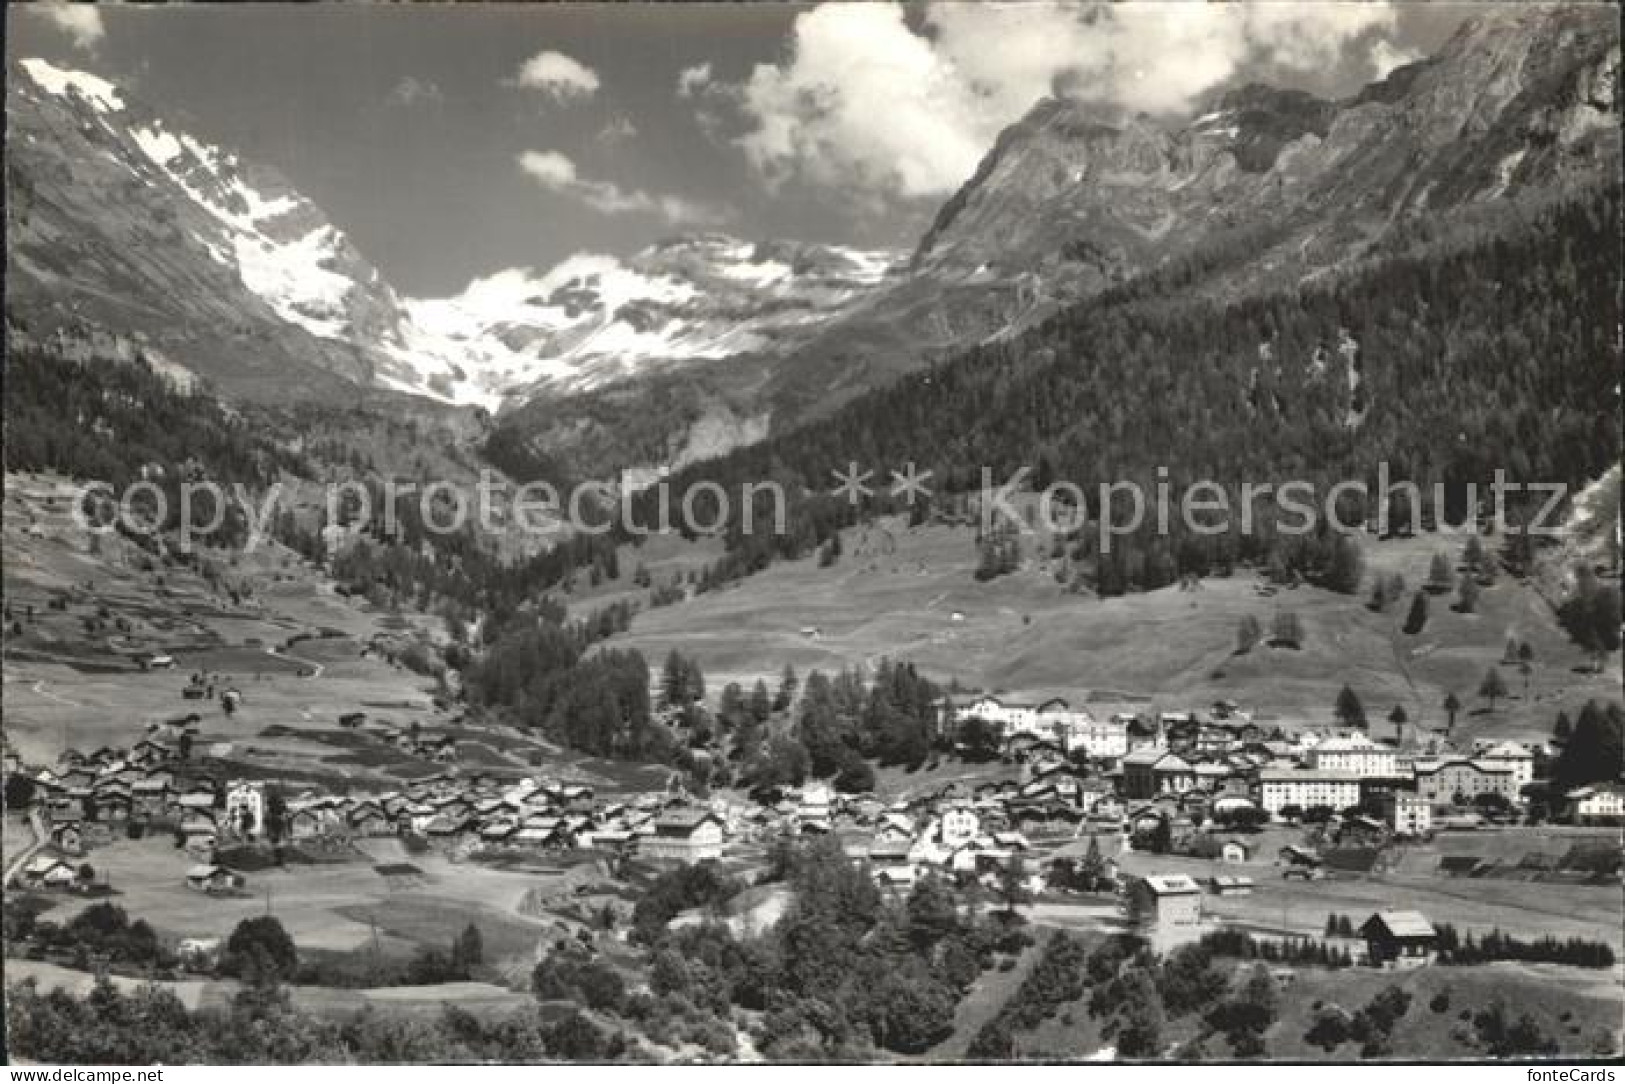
<point>1175,822</point>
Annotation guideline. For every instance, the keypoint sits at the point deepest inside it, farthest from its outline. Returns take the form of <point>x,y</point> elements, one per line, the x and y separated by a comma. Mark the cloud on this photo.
<point>1385,56</point>
<point>412,91</point>
<point>557,173</point>
<point>692,81</point>
<point>81,22</point>
<point>863,101</point>
<point>558,76</point>
<point>617,131</point>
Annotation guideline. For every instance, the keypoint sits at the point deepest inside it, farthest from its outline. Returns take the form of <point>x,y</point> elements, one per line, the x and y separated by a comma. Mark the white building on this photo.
<point>1356,754</point>
<point>1306,788</point>
<point>1603,802</point>
<point>1053,720</point>
<point>1511,755</point>
<point>959,826</point>
<point>245,807</point>
<point>1407,813</point>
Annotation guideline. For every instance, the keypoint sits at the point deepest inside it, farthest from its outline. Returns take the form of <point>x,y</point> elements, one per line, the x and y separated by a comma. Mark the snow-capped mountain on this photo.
<point>594,319</point>
<point>123,223</point>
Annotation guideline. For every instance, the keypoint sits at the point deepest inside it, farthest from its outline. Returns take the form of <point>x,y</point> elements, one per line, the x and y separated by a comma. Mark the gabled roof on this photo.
<point>1399,924</point>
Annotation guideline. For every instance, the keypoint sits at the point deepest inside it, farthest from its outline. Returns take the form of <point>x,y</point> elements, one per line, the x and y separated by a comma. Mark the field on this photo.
<point>296,650</point>
<point>908,593</point>
<point>217,993</point>
<point>1526,909</point>
<point>340,907</point>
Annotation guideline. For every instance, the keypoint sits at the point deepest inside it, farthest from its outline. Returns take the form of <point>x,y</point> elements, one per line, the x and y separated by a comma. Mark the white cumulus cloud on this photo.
<point>692,81</point>
<point>1385,56</point>
<point>558,173</point>
<point>81,22</point>
<point>558,76</point>
<point>863,100</point>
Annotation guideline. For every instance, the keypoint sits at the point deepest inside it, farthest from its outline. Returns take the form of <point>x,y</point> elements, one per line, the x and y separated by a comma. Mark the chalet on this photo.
<point>1234,850</point>
<point>687,835</point>
<point>67,837</point>
<point>43,871</point>
<point>150,796</point>
<point>541,832</point>
<point>305,823</point>
<point>369,819</point>
<point>213,880</point>
<point>199,834</point>
<point>449,827</point>
<point>1231,886</point>
<point>501,831</point>
<point>1399,939</point>
<point>199,798</point>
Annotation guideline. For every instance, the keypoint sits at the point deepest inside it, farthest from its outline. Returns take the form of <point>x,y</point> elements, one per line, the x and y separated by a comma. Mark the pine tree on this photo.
<point>1492,688</point>
<point>1417,619</point>
<point>1440,574</point>
<point>1350,712</point>
<point>1472,554</point>
<point>1466,594</point>
<point>1451,706</point>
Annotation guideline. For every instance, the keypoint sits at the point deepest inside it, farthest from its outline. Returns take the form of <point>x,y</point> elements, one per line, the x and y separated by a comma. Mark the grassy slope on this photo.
<point>896,591</point>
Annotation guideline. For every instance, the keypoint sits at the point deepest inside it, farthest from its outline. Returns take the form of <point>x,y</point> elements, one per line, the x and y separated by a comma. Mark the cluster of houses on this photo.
<point>1078,773</point>
<point>1222,760</point>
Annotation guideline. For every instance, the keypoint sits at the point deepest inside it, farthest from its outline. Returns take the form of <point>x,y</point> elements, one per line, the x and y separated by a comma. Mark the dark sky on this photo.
<point>407,123</point>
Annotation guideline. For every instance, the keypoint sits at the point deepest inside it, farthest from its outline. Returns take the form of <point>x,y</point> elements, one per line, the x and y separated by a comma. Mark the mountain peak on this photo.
<point>65,82</point>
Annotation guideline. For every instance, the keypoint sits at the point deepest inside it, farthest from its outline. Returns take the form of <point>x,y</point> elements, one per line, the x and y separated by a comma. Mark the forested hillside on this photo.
<point>1446,365</point>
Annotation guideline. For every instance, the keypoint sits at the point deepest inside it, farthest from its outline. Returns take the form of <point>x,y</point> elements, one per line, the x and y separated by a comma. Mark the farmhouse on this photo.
<point>43,871</point>
<point>684,835</point>
<point>1396,939</point>
<point>1231,886</point>
<point>67,838</point>
<point>213,880</point>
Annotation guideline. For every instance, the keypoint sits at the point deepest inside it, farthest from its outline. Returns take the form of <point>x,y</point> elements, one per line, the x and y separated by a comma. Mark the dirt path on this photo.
<point>316,667</point>
<point>17,863</point>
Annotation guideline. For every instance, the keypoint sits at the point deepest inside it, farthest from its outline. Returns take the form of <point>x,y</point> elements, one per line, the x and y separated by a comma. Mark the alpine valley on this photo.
<point>1059,730</point>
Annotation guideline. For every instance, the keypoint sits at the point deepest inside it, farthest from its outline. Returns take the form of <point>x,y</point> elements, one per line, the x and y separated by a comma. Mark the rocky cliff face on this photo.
<point>1518,101</point>
<point>118,224</point>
